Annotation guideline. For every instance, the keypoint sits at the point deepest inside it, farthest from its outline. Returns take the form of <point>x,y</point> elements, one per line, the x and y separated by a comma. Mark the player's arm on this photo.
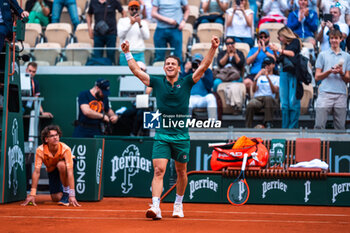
<point>72,200</point>
<point>156,15</point>
<point>134,67</point>
<point>208,59</point>
<point>87,111</point>
<point>319,75</point>
<point>149,90</point>
<point>35,179</point>
<point>112,116</point>
<point>68,157</point>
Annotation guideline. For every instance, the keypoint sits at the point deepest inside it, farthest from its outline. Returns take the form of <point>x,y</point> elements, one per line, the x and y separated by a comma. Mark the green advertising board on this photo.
<point>12,157</point>
<point>211,187</point>
<point>88,170</point>
<point>201,188</point>
<point>128,167</point>
<point>339,157</point>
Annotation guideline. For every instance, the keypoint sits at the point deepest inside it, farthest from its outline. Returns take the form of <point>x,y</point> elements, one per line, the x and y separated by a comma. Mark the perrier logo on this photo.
<point>130,162</point>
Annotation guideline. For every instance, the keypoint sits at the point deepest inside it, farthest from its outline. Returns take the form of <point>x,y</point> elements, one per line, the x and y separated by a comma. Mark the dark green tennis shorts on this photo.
<point>179,150</point>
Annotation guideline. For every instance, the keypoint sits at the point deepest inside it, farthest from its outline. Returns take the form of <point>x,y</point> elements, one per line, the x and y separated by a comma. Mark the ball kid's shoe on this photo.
<point>64,200</point>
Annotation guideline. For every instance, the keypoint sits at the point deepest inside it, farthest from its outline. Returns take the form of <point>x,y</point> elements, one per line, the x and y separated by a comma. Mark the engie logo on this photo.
<point>130,162</point>
<point>81,165</point>
<point>151,120</point>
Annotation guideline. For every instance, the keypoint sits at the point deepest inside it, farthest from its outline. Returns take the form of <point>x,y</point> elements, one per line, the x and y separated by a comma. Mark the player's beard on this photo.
<point>99,96</point>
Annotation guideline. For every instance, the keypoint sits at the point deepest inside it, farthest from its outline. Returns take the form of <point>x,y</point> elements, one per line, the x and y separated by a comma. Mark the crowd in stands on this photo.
<point>250,32</point>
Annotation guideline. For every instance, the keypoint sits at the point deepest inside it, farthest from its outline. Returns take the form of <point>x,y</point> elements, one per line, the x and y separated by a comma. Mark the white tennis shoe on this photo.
<point>178,210</point>
<point>154,212</point>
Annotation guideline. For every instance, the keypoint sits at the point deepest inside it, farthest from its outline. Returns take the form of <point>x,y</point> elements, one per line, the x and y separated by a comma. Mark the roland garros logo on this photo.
<point>130,162</point>
<point>15,160</point>
<point>98,165</point>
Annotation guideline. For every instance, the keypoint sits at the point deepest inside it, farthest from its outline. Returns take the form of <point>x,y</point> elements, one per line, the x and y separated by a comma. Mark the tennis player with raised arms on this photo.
<point>172,94</point>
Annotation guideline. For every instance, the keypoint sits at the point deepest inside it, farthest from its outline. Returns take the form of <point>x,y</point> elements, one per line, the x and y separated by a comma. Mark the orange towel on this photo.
<point>243,142</point>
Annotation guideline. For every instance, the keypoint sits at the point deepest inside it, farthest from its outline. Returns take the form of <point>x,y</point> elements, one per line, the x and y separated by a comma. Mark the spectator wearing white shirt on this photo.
<point>274,11</point>
<point>265,88</point>
<point>135,30</point>
<point>343,5</point>
<point>239,23</point>
<point>323,31</point>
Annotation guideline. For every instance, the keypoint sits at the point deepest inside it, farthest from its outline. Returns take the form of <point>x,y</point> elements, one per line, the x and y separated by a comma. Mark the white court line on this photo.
<point>183,219</point>
<point>190,211</point>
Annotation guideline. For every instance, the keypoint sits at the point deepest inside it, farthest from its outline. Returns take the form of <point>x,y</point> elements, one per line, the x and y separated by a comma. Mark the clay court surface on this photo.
<point>128,215</point>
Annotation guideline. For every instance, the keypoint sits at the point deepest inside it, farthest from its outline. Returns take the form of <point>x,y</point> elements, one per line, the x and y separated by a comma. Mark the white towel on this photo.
<point>315,163</point>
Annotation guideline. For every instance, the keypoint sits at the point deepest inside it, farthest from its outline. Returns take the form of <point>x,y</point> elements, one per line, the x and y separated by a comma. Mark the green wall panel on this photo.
<point>60,93</point>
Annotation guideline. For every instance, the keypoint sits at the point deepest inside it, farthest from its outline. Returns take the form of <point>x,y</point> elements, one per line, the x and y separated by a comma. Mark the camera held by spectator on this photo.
<point>196,60</point>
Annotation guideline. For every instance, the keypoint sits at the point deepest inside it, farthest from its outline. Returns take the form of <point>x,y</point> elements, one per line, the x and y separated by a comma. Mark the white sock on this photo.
<point>66,189</point>
<point>179,199</point>
<point>156,201</point>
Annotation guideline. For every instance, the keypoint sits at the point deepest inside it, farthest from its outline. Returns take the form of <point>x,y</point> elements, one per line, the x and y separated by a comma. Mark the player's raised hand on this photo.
<point>125,46</point>
<point>215,42</point>
<point>29,201</point>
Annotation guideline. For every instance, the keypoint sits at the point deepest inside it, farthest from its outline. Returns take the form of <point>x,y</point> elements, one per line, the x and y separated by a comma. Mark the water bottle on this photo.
<point>279,157</point>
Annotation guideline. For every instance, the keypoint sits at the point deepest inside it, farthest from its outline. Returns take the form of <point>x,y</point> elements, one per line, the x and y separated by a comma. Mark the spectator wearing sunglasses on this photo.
<point>228,76</point>
<point>135,30</point>
<point>230,57</point>
<point>265,89</point>
<point>343,5</point>
<point>256,57</point>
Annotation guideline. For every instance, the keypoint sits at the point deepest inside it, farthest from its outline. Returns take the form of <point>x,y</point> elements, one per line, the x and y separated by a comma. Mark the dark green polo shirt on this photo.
<point>172,102</point>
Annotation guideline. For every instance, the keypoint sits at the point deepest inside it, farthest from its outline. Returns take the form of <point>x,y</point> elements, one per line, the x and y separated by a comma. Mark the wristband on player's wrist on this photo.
<point>128,56</point>
<point>72,192</point>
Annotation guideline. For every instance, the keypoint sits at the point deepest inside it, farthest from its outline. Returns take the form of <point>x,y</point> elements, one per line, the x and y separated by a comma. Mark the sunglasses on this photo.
<point>134,8</point>
<point>228,43</point>
<point>263,37</point>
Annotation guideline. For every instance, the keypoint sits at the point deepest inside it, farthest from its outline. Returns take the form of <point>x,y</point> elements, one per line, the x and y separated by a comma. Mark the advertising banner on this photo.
<point>88,170</point>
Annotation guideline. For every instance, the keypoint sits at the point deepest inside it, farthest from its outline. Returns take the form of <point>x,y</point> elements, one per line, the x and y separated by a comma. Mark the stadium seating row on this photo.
<point>61,33</point>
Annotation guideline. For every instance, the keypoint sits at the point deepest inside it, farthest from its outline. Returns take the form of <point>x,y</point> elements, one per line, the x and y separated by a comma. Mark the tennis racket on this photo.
<point>238,191</point>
